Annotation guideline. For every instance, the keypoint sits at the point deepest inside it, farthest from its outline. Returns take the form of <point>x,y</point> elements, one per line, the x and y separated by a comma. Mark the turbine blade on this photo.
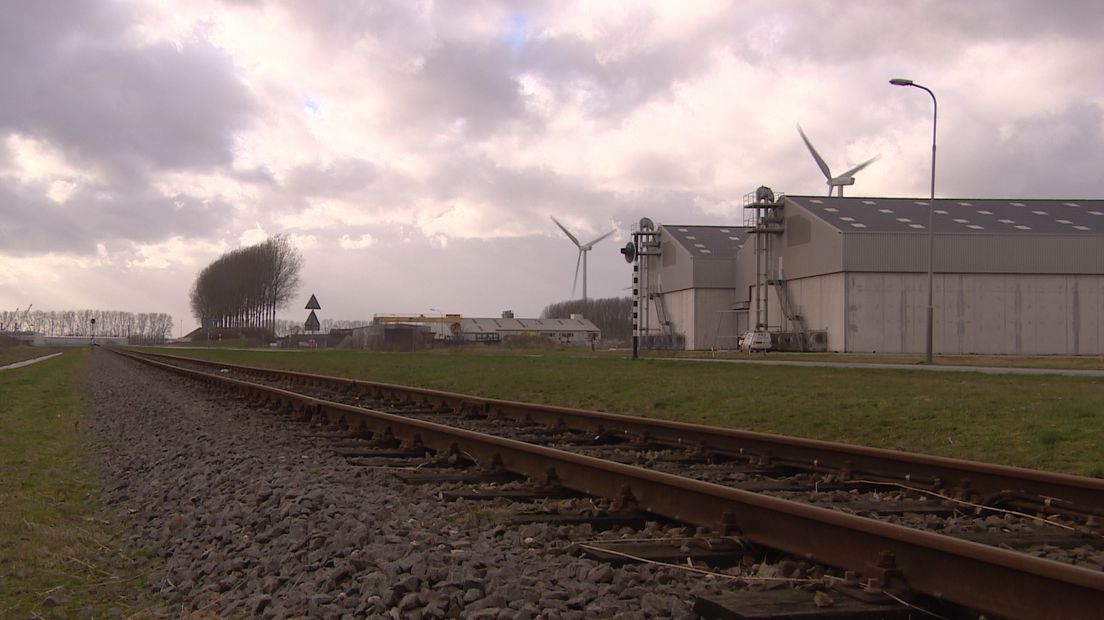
<point>575,282</point>
<point>566,232</point>
<point>591,244</point>
<point>819,160</point>
<point>861,166</point>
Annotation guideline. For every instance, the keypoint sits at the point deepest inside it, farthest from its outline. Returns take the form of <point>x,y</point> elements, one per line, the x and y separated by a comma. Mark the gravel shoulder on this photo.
<point>251,515</point>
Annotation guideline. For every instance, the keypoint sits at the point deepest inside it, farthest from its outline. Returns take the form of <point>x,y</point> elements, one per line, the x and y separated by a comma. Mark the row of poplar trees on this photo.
<point>245,287</point>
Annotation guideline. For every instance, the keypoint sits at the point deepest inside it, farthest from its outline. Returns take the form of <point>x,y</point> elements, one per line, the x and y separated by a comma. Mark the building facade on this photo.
<point>1009,276</point>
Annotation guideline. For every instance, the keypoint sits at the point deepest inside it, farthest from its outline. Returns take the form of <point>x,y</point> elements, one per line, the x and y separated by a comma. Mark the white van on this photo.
<point>755,341</point>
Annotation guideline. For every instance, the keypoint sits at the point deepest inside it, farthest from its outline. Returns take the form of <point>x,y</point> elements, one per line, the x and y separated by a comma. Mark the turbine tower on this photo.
<point>583,249</point>
<point>847,178</point>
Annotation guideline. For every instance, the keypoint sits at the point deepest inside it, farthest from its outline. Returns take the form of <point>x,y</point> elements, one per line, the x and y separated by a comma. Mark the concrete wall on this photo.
<point>680,311</point>
<point>673,268</point>
<point>810,246</point>
<point>820,300</point>
<point>977,313</point>
<point>716,323</point>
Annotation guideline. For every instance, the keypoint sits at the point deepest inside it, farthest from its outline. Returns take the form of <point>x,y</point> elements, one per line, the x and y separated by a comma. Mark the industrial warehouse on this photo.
<point>850,275</point>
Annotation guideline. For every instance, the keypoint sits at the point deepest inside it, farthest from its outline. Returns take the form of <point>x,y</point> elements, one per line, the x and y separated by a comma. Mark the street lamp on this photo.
<point>931,209</point>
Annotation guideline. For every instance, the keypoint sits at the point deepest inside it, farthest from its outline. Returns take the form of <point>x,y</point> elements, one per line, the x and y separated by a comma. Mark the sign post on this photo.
<point>312,324</point>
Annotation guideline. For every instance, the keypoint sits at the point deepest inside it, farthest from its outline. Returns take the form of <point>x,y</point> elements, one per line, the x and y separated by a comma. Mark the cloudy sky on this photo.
<point>414,150</point>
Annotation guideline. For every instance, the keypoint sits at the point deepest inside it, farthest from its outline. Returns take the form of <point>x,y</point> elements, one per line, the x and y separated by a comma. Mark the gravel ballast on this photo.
<point>253,515</point>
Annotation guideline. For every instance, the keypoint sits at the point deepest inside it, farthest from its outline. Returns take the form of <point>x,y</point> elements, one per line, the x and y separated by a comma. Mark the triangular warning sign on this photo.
<point>312,324</point>
<point>313,303</point>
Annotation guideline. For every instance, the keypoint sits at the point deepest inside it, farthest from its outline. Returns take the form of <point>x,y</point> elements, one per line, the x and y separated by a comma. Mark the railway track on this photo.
<point>882,557</point>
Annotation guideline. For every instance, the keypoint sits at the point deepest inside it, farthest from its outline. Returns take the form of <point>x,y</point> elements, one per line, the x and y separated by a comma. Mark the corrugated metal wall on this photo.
<point>1026,314</point>
<point>966,253</point>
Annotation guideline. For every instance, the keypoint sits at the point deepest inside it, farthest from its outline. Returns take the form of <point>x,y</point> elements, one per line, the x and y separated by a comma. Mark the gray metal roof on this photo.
<point>475,325</point>
<point>1066,217</point>
<point>705,242</point>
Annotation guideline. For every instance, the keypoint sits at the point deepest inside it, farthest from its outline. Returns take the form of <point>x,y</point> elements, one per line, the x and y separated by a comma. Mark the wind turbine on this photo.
<point>847,178</point>
<point>583,249</point>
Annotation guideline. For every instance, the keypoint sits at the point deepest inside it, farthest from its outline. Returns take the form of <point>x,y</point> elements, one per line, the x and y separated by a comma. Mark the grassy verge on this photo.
<point>1051,423</point>
<point>11,355</point>
<point>57,559</point>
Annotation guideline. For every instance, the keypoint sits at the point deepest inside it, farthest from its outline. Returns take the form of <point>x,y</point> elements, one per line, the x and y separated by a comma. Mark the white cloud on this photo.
<point>252,236</point>
<point>176,251</point>
<point>357,243</point>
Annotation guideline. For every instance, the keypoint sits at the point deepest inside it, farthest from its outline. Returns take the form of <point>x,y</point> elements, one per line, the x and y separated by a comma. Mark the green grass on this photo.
<point>1044,422</point>
<point>52,544</point>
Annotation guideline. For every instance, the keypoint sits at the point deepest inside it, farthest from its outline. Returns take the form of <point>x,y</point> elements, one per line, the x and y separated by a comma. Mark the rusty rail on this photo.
<point>980,481</point>
<point>981,577</point>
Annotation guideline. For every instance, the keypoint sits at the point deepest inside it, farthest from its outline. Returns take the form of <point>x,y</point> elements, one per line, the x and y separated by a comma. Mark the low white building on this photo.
<point>573,331</point>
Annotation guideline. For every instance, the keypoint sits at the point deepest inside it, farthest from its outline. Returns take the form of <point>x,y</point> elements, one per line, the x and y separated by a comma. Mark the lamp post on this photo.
<point>931,210</point>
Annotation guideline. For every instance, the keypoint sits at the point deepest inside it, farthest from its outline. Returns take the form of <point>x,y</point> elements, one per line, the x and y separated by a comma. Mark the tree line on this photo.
<point>245,287</point>
<point>285,327</point>
<point>612,315</point>
<point>153,326</point>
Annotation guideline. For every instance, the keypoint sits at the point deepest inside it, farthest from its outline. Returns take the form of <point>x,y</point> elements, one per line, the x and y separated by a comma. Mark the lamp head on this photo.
<point>901,82</point>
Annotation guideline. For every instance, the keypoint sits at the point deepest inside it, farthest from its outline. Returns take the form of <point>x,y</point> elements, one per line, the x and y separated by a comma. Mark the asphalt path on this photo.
<point>987,370</point>
<point>29,362</point>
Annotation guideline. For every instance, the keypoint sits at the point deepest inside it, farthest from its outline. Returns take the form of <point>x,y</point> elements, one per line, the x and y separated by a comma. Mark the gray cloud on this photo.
<point>70,79</point>
<point>1059,155</point>
<point>33,224</point>
<point>343,177</point>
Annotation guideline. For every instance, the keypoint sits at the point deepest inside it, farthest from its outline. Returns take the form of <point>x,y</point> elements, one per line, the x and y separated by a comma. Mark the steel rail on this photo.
<point>966,478</point>
<point>989,579</point>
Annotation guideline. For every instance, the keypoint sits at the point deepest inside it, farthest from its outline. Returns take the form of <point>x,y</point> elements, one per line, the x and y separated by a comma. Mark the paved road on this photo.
<point>28,362</point>
<point>988,370</point>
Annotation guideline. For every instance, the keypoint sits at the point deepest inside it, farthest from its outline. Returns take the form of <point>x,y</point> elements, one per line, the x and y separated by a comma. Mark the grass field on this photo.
<point>57,559</point>
<point>1046,422</point>
<point>10,355</point>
